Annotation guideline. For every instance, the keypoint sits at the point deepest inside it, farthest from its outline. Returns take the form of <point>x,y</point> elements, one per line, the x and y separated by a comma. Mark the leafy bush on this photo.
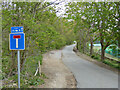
<point>92,56</point>
<point>44,31</point>
<point>27,75</point>
<point>95,57</point>
<point>111,63</point>
<point>36,81</point>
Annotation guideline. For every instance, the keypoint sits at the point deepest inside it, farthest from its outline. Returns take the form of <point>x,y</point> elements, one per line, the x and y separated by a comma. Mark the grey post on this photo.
<point>18,68</point>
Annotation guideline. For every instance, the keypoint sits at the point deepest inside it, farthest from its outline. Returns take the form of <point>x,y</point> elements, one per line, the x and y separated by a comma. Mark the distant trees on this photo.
<point>99,21</point>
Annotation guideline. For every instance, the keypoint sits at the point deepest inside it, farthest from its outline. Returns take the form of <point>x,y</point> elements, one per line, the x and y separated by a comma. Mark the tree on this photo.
<point>44,31</point>
<point>99,19</point>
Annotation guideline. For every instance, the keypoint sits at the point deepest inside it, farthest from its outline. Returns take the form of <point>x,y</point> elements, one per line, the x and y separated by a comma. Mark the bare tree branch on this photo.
<point>49,5</point>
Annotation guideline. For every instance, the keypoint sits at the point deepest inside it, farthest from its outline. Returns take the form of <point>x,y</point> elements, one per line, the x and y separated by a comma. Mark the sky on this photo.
<point>60,7</point>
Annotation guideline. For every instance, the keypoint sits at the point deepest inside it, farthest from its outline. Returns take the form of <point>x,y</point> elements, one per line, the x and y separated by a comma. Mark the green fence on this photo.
<point>114,52</point>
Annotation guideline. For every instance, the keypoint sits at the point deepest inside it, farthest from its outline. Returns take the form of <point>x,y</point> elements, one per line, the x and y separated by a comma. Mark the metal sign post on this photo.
<point>18,57</point>
<point>17,42</point>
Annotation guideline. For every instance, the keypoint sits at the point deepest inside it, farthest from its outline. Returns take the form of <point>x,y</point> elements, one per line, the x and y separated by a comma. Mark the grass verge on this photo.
<point>109,62</point>
<point>27,74</point>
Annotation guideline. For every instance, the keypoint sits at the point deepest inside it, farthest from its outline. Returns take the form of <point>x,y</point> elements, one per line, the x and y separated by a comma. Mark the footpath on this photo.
<point>58,74</point>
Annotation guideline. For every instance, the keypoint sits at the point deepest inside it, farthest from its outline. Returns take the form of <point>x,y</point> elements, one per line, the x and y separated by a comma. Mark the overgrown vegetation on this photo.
<point>95,21</point>
<point>43,30</point>
<point>112,63</point>
<point>86,22</point>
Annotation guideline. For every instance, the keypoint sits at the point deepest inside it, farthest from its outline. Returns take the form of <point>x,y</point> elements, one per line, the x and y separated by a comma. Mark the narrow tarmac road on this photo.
<point>87,74</point>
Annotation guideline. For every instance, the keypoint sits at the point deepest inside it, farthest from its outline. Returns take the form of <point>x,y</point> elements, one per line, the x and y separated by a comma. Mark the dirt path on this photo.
<point>58,74</point>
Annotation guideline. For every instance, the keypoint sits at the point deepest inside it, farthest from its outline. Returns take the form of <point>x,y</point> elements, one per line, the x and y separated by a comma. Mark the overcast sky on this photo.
<point>60,7</point>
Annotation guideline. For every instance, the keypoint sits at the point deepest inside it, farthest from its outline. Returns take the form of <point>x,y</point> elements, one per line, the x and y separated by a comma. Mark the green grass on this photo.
<point>95,57</point>
<point>27,75</point>
<point>113,64</point>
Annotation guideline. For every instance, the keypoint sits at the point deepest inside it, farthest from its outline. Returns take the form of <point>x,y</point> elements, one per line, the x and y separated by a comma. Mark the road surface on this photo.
<point>87,74</point>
